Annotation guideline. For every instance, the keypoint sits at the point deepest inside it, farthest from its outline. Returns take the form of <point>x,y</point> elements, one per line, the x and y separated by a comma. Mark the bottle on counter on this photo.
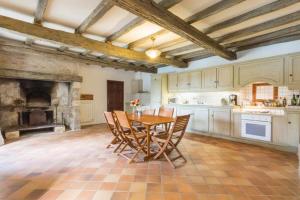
<point>294,100</point>
<point>284,102</point>
<point>298,100</point>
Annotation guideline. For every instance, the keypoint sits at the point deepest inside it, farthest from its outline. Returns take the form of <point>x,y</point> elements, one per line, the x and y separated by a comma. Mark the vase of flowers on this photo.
<point>135,104</point>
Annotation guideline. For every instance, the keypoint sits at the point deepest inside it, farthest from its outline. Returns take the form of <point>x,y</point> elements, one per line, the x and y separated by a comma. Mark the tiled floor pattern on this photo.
<point>76,166</point>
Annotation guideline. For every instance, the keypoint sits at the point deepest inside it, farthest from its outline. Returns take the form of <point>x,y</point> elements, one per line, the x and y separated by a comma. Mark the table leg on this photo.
<point>148,140</point>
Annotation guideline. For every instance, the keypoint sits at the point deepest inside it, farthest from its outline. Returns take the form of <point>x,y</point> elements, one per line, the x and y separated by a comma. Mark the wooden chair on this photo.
<point>148,112</point>
<point>111,123</point>
<point>164,112</point>
<point>167,142</point>
<point>133,138</point>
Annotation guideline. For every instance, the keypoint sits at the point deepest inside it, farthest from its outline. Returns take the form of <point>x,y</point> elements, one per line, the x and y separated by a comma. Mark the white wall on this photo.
<point>94,82</point>
<point>260,52</point>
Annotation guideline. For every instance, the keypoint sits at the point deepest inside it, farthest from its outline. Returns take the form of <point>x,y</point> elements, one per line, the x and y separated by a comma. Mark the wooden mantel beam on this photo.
<point>76,40</point>
<point>97,13</point>
<point>153,13</point>
<point>16,49</point>
<point>40,10</point>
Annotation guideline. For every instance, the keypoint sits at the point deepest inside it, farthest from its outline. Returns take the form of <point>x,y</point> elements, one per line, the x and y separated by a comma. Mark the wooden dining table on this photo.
<point>150,121</point>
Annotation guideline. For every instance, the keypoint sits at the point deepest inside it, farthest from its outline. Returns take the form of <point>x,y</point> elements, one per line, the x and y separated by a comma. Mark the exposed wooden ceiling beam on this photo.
<point>96,14</point>
<point>150,11</point>
<point>261,27</point>
<point>80,41</point>
<point>287,34</point>
<point>218,7</point>
<point>274,6</point>
<point>214,9</point>
<point>139,21</point>
<point>17,47</point>
<point>40,10</point>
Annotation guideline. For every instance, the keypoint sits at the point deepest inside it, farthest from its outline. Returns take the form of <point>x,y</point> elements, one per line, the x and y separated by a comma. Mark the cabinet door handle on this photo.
<point>289,122</point>
<point>291,75</point>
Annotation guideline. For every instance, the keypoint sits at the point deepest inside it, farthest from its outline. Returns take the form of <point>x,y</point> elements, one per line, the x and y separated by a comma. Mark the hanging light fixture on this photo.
<point>152,52</point>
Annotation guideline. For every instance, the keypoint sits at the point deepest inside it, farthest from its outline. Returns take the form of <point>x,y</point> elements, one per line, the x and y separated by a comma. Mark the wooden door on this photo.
<point>225,77</point>
<point>184,81</point>
<point>172,82</point>
<point>209,78</point>
<point>115,95</point>
<point>156,89</point>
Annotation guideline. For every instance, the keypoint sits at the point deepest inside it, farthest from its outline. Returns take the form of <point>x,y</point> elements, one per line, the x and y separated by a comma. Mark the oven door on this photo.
<point>259,130</point>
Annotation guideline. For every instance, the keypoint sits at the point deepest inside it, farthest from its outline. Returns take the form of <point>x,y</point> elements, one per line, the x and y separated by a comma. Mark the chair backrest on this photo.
<point>179,128</point>
<point>122,120</point>
<point>111,123</point>
<point>148,112</point>
<point>165,112</point>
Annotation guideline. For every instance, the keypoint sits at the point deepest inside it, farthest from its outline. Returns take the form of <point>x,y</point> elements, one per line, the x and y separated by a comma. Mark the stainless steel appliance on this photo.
<point>257,127</point>
<point>233,99</point>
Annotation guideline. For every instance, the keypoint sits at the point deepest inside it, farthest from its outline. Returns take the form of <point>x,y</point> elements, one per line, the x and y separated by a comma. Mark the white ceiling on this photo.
<point>68,14</point>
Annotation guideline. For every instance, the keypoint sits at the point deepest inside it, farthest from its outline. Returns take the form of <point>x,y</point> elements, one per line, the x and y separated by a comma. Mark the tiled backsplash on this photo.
<point>244,95</point>
<point>283,91</point>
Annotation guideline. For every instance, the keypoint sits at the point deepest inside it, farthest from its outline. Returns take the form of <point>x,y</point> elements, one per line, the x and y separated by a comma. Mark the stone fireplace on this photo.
<point>26,103</point>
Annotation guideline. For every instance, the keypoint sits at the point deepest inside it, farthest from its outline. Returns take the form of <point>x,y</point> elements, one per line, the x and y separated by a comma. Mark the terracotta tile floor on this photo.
<point>76,166</point>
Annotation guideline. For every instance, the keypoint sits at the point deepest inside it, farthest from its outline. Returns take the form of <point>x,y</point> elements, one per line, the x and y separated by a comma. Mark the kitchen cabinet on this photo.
<point>236,125</point>
<point>220,120</point>
<point>209,78</point>
<point>186,110</point>
<point>184,81</point>
<point>269,70</point>
<point>293,71</point>
<point>172,82</point>
<point>200,120</point>
<point>286,130</point>
<point>225,77</point>
<point>195,80</point>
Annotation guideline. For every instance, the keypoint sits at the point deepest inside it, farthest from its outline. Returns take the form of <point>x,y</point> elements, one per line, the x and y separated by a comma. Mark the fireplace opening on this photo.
<point>37,93</point>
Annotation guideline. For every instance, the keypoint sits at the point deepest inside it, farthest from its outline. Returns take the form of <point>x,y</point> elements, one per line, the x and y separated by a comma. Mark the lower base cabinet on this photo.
<point>285,130</point>
<point>220,121</point>
<point>200,120</point>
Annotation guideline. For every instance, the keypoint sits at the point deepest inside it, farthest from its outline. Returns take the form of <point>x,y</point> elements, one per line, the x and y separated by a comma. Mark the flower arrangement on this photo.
<point>135,103</point>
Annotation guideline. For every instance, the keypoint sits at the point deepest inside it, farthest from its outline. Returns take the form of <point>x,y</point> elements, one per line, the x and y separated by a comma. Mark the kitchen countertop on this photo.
<point>202,105</point>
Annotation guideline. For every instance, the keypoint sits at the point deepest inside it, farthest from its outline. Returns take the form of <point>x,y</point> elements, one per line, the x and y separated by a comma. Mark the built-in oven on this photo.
<point>257,127</point>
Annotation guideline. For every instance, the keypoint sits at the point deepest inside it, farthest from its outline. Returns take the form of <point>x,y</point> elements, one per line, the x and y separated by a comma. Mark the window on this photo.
<point>264,91</point>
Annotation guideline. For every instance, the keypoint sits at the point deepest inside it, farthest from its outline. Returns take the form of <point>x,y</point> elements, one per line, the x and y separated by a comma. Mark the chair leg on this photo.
<point>123,149</point>
<point>134,156</point>
<point>116,149</point>
<point>168,159</point>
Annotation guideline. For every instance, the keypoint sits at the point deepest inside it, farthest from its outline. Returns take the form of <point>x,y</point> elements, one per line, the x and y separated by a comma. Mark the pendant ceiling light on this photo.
<point>152,52</point>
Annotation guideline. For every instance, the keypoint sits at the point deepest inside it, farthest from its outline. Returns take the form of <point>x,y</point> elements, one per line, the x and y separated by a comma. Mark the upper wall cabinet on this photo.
<point>269,70</point>
<point>172,82</point>
<point>209,78</point>
<point>293,71</point>
<point>225,77</point>
<point>220,78</point>
<point>184,81</point>
<point>196,80</point>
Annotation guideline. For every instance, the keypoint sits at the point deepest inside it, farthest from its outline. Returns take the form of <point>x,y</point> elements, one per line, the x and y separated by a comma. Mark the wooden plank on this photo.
<point>259,41</point>
<point>139,21</point>
<point>153,13</point>
<point>80,41</point>
<point>274,6</point>
<point>218,7</point>
<point>40,10</point>
<point>145,39</point>
<point>266,37</point>
<point>96,14</point>
<point>10,48</point>
<point>193,54</point>
<point>214,9</point>
<point>261,27</point>
<point>181,49</point>
<point>19,74</point>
